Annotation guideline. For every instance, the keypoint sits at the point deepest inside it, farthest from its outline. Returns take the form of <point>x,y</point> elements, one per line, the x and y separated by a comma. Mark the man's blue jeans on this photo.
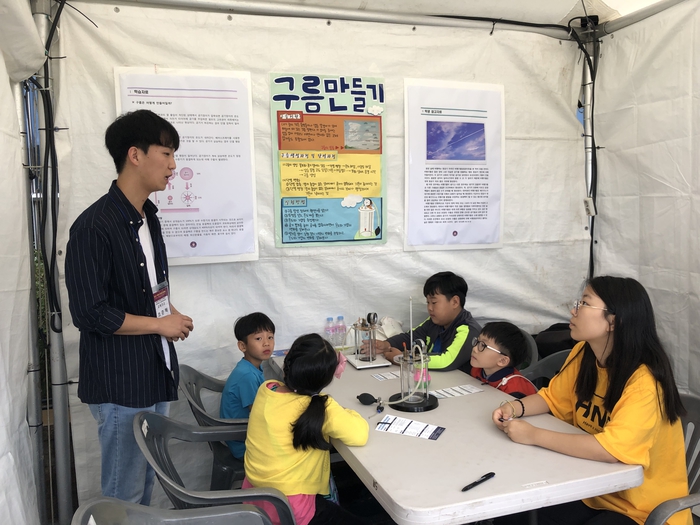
<point>126,475</point>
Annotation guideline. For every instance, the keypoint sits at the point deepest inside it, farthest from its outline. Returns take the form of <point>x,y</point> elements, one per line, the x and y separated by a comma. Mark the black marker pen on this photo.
<point>479,481</point>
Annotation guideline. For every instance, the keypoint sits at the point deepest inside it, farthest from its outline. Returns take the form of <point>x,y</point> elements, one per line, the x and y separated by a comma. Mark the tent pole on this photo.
<point>243,7</point>
<point>59,392</point>
<point>587,89</point>
<point>34,419</point>
<point>59,381</point>
<point>627,20</point>
<point>588,93</point>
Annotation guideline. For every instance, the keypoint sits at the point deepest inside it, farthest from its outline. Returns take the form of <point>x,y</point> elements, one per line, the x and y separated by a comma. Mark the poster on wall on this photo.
<point>454,165</point>
<point>328,159</point>
<point>207,211</point>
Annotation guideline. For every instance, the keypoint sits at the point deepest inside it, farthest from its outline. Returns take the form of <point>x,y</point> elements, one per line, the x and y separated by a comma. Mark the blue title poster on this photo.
<point>328,162</point>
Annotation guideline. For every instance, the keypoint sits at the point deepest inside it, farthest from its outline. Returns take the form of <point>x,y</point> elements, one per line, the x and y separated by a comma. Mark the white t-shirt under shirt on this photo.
<point>147,247</point>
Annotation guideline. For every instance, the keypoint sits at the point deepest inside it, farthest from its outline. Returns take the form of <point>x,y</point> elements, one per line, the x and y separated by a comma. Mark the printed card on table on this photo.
<point>409,427</point>
<point>456,391</point>
<point>385,376</point>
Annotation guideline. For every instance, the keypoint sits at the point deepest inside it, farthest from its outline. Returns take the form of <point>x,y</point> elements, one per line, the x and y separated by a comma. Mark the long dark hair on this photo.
<point>635,343</point>
<point>308,368</point>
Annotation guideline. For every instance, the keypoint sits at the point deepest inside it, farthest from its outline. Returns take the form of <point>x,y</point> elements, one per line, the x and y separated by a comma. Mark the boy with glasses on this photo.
<point>496,353</point>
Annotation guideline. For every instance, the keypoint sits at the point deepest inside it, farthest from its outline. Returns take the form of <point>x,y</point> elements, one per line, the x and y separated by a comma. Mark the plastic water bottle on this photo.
<point>329,331</point>
<point>340,330</point>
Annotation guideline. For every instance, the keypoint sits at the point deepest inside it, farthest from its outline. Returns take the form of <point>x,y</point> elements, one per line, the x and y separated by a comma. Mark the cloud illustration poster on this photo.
<point>454,165</point>
<point>327,141</point>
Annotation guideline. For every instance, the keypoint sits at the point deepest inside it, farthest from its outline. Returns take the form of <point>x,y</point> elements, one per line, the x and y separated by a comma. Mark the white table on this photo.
<point>420,481</point>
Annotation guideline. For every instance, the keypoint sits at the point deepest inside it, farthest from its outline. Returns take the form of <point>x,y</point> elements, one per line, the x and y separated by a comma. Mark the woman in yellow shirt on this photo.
<point>617,385</point>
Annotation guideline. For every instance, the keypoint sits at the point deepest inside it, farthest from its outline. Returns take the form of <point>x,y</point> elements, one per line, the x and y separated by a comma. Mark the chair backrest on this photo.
<point>110,511</point>
<point>192,382</point>
<point>533,354</point>
<point>548,367</point>
<point>153,433</point>
<point>691,430</point>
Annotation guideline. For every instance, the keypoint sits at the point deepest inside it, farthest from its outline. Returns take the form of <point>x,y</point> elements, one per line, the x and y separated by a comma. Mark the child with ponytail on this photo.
<point>289,431</point>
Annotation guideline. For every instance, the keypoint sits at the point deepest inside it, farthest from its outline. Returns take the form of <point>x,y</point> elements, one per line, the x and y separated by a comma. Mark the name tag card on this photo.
<point>161,298</point>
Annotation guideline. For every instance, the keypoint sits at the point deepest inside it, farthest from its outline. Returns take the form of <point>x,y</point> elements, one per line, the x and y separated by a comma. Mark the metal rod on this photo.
<point>59,386</point>
<point>59,389</point>
<point>587,90</point>
<point>627,20</point>
<point>587,87</point>
<point>34,419</point>
<point>242,7</point>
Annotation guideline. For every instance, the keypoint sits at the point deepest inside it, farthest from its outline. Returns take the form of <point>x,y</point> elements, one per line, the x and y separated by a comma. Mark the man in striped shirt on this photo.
<point>119,299</point>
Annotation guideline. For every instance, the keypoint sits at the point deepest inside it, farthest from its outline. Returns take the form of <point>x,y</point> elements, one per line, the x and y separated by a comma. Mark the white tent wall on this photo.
<point>21,53</point>
<point>530,281</point>
<point>648,122</point>
<point>17,492</point>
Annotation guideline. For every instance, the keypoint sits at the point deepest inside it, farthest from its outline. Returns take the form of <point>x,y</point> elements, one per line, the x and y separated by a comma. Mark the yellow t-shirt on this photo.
<point>272,461</point>
<point>634,433</point>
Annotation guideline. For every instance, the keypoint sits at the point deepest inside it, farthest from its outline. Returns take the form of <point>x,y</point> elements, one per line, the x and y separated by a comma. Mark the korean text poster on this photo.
<point>328,161</point>
<point>454,165</point>
<point>207,211</point>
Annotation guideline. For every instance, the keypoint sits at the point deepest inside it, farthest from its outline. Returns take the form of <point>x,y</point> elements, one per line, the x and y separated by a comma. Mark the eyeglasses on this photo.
<point>579,304</point>
<point>481,346</point>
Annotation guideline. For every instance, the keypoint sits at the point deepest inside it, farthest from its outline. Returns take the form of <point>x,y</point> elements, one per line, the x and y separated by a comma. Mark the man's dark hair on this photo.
<point>252,324</point>
<point>510,341</point>
<point>447,284</point>
<point>141,128</point>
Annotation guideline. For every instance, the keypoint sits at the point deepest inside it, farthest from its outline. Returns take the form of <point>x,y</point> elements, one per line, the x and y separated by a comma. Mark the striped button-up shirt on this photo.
<point>107,277</point>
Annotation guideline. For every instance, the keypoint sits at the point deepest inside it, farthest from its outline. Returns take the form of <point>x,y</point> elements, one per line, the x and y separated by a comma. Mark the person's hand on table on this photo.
<point>390,354</point>
<point>517,430</point>
<point>501,415</point>
<point>380,346</point>
<point>520,431</point>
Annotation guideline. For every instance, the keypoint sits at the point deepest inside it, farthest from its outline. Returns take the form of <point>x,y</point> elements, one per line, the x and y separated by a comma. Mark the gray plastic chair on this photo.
<point>534,354</point>
<point>153,433</point>
<point>110,511</point>
<point>546,368</point>
<point>225,469</point>
<point>691,429</point>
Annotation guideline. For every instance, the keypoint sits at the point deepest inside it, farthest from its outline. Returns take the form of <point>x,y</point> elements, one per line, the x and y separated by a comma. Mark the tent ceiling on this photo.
<point>23,51</point>
<point>535,11</point>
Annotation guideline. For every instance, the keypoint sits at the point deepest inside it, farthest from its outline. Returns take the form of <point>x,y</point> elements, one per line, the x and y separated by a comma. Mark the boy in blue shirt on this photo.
<point>256,339</point>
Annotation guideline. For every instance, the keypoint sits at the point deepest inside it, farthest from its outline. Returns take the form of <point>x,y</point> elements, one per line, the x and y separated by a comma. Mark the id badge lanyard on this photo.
<point>161,292</point>
<point>161,299</point>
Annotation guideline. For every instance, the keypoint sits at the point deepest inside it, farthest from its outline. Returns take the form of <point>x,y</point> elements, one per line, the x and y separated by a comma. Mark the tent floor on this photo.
<point>355,498</point>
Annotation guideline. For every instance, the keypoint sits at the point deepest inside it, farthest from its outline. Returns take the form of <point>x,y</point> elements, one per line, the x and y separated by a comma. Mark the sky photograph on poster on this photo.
<point>463,141</point>
<point>362,134</point>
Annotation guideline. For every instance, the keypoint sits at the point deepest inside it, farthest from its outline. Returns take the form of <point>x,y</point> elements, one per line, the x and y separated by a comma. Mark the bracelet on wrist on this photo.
<point>522,405</point>
<point>512,414</point>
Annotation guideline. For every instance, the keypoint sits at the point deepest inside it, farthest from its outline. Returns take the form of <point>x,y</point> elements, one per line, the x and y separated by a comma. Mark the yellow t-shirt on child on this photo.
<point>271,459</point>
